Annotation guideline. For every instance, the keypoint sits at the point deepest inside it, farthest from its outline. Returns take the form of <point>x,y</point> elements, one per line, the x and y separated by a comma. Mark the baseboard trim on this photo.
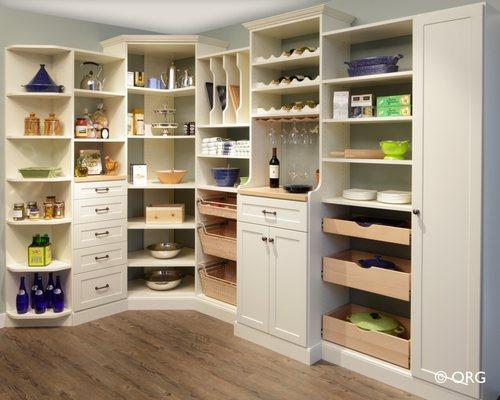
<point>389,374</point>
<point>92,314</point>
<point>2,320</point>
<point>302,354</point>
<point>216,309</point>
<point>144,304</point>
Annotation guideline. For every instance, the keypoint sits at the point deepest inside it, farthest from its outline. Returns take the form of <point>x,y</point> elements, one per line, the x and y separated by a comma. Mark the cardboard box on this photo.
<point>340,105</point>
<point>394,101</point>
<point>396,111</point>
<point>139,174</point>
<point>362,100</point>
<point>165,214</point>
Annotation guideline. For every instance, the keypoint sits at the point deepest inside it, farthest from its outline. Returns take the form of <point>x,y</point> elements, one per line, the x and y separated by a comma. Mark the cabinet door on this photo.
<point>288,285</point>
<point>253,276</point>
<point>446,237</point>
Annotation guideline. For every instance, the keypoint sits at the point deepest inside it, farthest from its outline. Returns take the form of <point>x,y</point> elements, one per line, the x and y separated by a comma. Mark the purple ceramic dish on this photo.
<point>372,70</point>
<point>379,60</point>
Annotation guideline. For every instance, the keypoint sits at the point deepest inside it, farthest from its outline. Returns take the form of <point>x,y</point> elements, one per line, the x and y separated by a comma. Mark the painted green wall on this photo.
<point>20,27</point>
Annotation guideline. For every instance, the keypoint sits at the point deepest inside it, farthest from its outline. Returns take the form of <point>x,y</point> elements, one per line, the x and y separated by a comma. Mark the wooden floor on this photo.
<point>164,355</point>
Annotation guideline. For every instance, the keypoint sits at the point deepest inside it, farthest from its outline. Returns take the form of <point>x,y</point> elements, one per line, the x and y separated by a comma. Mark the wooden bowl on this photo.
<point>171,176</point>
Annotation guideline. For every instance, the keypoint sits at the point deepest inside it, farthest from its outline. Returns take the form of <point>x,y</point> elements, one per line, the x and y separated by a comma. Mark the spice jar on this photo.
<point>59,209</point>
<point>18,212</point>
<point>51,126</point>
<point>50,199</point>
<point>32,125</point>
<point>48,210</point>
<point>34,213</point>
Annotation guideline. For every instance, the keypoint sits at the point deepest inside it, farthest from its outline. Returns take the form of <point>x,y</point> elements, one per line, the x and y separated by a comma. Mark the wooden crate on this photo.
<point>343,269</point>
<point>221,206</point>
<point>219,239</point>
<point>165,214</point>
<point>393,349</point>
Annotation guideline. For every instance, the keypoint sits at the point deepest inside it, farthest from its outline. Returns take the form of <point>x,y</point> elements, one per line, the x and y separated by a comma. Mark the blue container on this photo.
<point>379,60</point>
<point>372,70</point>
<point>42,82</point>
<point>226,177</point>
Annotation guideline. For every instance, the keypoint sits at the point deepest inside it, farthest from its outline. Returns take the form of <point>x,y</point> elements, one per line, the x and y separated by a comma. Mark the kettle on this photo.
<point>186,80</point>
<point>91,80</point>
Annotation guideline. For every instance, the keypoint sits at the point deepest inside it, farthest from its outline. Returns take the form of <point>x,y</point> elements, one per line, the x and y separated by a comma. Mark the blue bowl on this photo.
<point>226,177</point>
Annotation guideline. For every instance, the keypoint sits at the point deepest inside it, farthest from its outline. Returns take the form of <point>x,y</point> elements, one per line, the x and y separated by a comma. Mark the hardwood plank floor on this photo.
<point>164,354</point>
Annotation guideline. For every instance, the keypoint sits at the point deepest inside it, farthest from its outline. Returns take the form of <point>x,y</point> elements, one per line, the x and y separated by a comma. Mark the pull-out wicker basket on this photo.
<point>218,280</point>
<point>219,239</point>
<point>221,206</point>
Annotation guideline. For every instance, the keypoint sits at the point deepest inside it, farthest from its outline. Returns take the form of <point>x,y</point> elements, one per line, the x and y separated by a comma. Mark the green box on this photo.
<point>393,101</point>
<point>396,111</point>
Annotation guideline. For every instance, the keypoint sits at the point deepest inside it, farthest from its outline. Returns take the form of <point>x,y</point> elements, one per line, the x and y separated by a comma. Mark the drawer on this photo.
<point>100,287</point>
<point>393,349</point>
<point>343,269</point>
<point>100,190</point>
<point>284,214</point>
<point>99,233</point>
<point>93,210</point>
<point>98,257</point>
<point>383,233</point>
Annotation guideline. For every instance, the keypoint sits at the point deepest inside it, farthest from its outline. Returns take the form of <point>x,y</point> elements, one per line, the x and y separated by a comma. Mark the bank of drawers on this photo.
<point>100,243</point>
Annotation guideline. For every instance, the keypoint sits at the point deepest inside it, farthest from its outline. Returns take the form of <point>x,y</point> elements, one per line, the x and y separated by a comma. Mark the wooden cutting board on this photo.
<point>358,153</point>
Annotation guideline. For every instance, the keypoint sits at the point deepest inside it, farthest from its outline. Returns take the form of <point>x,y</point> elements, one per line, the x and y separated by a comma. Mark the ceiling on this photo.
<point>162,16</point>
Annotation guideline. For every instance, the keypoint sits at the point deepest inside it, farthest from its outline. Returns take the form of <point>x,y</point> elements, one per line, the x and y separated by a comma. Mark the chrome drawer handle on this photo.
<point>97,234</point>
<point>265,212</point>
<point>102,210</point>
<point>102,190</point>
<point>106,286</point>
<point>102,258</point>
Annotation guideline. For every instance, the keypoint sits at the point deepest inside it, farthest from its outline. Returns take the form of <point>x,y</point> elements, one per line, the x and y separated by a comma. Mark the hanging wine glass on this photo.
<point>294,134</point>
<point>272,137</point>
<point>283,135</point>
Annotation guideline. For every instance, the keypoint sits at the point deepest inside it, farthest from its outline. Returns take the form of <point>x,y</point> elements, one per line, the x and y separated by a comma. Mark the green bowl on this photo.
<point>243,180</point>
<point>394,149</point>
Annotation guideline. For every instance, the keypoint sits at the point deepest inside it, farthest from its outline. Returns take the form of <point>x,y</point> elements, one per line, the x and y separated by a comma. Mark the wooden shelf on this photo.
<point>218,188</point>
<point>291,88</point>
<point>137,289</point>
<point>158,185</point>
<point>100,178</point>
<point>42,49</point>
<point>30,315</point>
<point>368,204</point>
<point>167,137</point>
<point>39,95</point>
<point>97,94</point>
<point>372,80</point>
<point>39,180</point>
<point>216,156</point>
<point>224,126</point>
<point>79,140</point>
<point>40,137</point>
<point>282,63</point>
<point>143,258</point>
<point>181,92</point>
<point>96,56</point>
<point>41,221</point>
<point>140,223</point>
<point>367,161</point>
<point>369,120</point>
<point>279,193</point>
<point>56,265</point>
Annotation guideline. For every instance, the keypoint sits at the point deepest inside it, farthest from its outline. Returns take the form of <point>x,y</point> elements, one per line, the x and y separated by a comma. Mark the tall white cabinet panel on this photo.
<point>288,284</point>
<point>447,154</point>
<point>253,276</point>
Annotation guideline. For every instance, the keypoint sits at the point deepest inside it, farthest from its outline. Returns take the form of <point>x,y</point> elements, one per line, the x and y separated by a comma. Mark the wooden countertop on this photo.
<point>279,193</point>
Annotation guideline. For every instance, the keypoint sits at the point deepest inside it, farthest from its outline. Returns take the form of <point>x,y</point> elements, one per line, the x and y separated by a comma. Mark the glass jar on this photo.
<point>32,125</point>
<point>59,209</point>
<point>52,126</point>
<point>50,199</point>
<point>48,210</point>
<point>18,212</point>
<point>32,210</point>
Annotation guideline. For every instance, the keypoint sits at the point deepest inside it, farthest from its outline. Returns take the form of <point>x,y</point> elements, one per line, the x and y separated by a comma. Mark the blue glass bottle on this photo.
<point>39,300</point>
<point>58,296</point>
<point>33,289</point>
<point>22,298</point>
<point>49,290</point>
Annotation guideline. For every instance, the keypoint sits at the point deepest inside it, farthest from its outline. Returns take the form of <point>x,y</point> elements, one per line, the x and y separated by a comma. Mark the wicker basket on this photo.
<point>219,239</point>
<point>221,206</point>
<point>218,281</point>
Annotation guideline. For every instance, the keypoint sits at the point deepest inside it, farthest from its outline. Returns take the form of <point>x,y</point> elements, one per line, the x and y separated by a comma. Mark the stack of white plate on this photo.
<point>394,197</point>
<point>359,194</point>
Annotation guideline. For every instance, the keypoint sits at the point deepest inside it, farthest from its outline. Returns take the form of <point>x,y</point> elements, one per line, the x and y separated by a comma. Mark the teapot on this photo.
<point>91,80</point>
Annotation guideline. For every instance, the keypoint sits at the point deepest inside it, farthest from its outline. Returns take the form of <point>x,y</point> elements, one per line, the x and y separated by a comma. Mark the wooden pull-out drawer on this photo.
<point>100,287</point>
<point>99,190</point>
<point>387,347</point>
<point>343,269</point>
<point>284,214</point>
<point>98,257</point>
<point>374,231</point>
<point>93,210</point>
<point>98,233</point>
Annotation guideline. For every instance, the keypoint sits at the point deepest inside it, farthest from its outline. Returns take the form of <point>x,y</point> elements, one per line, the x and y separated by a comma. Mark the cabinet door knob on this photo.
<point>416,211</point>
<point>270,240</point>
<point>264,239</point>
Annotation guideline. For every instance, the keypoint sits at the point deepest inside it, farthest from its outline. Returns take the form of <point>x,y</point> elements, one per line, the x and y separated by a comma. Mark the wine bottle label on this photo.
<point>274,171</point>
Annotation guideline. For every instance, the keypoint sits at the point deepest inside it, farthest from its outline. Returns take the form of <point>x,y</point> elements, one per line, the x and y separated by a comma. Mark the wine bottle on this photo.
<point>58,297</point>
<point>34,287</point>
<point>22,298</point>
<point>49,290</point>
<point>274,171</point>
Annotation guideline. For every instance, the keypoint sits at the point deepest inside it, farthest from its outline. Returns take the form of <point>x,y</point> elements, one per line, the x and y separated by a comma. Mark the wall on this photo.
<point>365,11</point>
<point>20,27</point>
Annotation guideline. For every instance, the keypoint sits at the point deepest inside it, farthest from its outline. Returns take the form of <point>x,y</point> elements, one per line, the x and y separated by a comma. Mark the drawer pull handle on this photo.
<point>102,258</point>
<point>97,234</point>
<point>270,240</point>
<point>265,212</point>
<point>102,210</point>
<point>102,190</point>
<point>264,239</point>
<point>106,286</point>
